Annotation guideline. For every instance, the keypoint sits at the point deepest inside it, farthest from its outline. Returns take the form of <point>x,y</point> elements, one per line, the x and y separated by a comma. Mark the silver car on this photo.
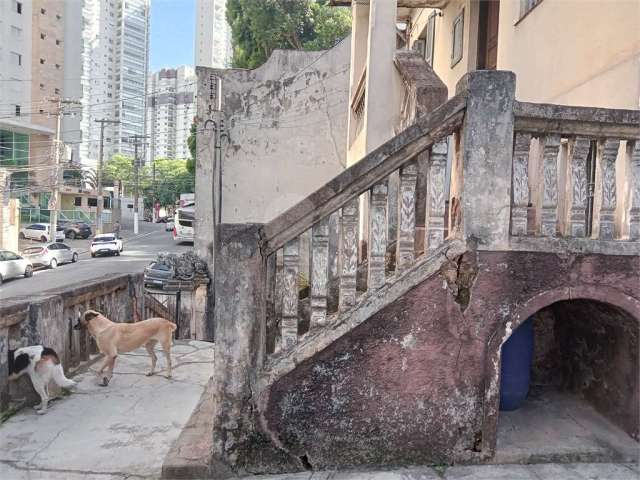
<point>51,255</point>
<point>13,265</point>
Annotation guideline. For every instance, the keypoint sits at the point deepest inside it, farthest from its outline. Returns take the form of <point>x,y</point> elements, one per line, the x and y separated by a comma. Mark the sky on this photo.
<point>172,33</point>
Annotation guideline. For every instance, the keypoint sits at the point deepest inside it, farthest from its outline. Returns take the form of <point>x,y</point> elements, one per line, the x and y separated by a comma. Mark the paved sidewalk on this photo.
<point>575,471</point>
<point>121,431</point>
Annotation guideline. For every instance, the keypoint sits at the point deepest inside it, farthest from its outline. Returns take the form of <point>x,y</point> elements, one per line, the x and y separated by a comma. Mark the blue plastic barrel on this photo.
<point>515,374</point>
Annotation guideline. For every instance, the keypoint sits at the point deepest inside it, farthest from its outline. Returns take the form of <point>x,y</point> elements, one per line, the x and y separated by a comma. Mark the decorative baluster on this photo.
<point>348,254</point>
<point>609,152</point>
<point>405,245</point>
<point>319,272</point>
<point>550,185</point>
<point>578,152</point>
<point>271,317</point>
<point>634,224</point>
<point>436,196</point>
<point>289,326</point>
<point>520,183</point>
<point>377,235</point>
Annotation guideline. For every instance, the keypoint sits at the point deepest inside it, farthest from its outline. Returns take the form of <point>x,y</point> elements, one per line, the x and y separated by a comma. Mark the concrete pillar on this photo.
<point>487,157</point>
<point>240,339</point>
<point>359,36</point>
<point>381,47</point>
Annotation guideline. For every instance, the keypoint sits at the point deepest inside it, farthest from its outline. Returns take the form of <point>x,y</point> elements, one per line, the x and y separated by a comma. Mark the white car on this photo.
<point>12,265</point>
<point>40,231</point>
<point>106,244</point>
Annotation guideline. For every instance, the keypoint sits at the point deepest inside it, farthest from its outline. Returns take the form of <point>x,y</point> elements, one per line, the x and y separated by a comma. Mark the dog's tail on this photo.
<point>60,379</point>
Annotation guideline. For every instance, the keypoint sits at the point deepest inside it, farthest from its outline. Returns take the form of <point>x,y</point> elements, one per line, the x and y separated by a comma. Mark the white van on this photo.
<point>183,224</point>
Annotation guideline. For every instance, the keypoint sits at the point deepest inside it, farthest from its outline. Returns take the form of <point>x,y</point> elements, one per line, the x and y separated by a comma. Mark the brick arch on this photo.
<point>603,294</point>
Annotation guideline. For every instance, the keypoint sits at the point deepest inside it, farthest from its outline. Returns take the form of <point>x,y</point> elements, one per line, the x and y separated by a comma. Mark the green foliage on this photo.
<point>172,177</point>
<point>118,170</point>
<point>191,143</point>
<point>260,26</point>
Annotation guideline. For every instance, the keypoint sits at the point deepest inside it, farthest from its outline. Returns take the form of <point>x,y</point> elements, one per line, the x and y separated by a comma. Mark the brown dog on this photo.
<point>113,338</point>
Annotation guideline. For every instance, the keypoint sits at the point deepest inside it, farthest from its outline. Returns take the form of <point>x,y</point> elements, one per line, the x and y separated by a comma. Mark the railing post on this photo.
<point>239,314</point>
<point>487,142</point>
<point>348,257</point>
<point>436,192</point>
<point>289,327</point>
<point>578,151</point>
<point>608,153</point>
<point>319,272</point>
<point>520,184</point>
<point>550,186</point>
<point>377,235</point>
<point>406,234</point>
<point>634,223</point>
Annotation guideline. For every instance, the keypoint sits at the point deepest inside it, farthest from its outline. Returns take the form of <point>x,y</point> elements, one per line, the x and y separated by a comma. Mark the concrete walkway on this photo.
<point>120,432</point>
<point>554,471</point>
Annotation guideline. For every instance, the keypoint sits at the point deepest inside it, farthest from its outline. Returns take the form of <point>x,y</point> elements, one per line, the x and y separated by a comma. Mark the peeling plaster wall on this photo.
<point>287,125</point>
<point>413,383</point>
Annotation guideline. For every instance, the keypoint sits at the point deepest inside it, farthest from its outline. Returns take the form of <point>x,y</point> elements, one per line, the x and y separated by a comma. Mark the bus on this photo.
<point>183,223</point>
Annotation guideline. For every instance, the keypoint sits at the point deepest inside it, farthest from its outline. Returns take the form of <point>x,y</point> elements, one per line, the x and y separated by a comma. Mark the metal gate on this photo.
<point>163,304</point>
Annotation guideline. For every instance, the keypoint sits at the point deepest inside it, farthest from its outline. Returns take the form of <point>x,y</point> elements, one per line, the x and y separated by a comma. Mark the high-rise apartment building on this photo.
<point>107,53</point>
<point>213,35</point>
<point>170,112</point>
<point>31,75</point>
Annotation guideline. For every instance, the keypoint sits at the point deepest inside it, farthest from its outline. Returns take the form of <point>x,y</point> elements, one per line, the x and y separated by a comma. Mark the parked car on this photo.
<point>51,255</point>
<point>76,229</point>
<point>13,265</point>
<point>156,274</point>
<point>40,231</point>
<point>183,224</point>
<point>106,244</point>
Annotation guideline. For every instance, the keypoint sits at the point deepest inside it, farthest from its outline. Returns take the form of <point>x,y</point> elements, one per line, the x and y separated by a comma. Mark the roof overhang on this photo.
<point>25,127</point>
<point>401,3</point>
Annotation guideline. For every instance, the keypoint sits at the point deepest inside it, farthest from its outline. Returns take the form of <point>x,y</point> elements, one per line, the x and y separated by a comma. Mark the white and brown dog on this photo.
<point>113,338</point>
<point>42,365</point>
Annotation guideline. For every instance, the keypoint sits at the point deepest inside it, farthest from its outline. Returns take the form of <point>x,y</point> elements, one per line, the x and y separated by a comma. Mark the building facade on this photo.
<point>111,39</point>
<point>213,35</point>
<point>31,73</point>
<point>170,112</point>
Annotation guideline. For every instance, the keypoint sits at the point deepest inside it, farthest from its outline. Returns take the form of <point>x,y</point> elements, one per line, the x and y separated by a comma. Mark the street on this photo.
<point>139,250</point>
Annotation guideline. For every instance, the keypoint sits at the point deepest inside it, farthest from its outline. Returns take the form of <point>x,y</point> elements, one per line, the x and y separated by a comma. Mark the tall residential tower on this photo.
<point>107,64</point>
<point>213,35</point>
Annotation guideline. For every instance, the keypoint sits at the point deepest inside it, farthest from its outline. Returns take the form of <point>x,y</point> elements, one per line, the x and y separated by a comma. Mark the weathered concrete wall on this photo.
<point>48,320</point>
<point>285,122</point>
<point>419,381</point>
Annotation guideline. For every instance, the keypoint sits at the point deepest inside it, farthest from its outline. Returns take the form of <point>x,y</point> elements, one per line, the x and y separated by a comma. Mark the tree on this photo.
<point>191,143</point>
<point>172,178</point>
<point>260,26</point>
<point>118,170</point>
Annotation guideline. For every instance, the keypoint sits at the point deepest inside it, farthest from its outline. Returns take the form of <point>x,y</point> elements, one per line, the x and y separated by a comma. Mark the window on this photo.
<point>77,201</point>
<point>527,5</point>
<point>43,11</point>
<point>58,42</point>
<point>16,58</point>
<point>57,66</point>
<point>42,61</point>
<point>457,43</point>
<point>17,110</point>
<point>92,202</point>
<point>57,91</point>
<point>18,7</point>
<point>16,32</point>
<point>58,17</point>
<point>42,36</point>
<point>430,40</point>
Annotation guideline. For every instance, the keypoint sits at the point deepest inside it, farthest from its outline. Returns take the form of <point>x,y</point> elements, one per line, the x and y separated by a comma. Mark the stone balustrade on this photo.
<point>576,172</point>
<point>48,320</point>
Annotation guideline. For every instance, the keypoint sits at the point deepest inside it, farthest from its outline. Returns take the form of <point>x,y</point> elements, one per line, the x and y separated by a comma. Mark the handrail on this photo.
<point>586,121</point>
<point>361,176</point>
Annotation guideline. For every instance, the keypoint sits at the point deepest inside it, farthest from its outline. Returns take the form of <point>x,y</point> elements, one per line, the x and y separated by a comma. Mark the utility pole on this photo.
<point>136,169</point>
<point>102,123</point>
<point>58,146</point>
